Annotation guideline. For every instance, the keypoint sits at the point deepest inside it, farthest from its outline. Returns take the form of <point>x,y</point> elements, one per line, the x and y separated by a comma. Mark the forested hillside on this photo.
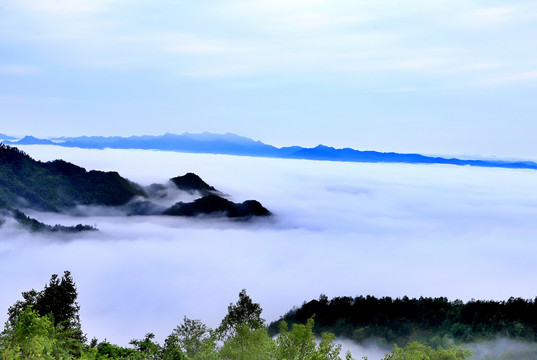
<point>58,186</point>
<point>434,321</point>
<point>46,325</point>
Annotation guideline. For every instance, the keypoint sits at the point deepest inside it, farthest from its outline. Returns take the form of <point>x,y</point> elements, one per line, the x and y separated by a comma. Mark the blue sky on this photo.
<point>436,77</point>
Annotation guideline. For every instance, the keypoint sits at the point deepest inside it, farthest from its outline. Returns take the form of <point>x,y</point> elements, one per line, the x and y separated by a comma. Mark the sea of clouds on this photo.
<point>338,229</point>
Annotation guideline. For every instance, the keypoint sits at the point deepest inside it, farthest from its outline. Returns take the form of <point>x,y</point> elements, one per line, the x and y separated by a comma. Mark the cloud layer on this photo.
<point>245,38</point>
<point>339,229</point>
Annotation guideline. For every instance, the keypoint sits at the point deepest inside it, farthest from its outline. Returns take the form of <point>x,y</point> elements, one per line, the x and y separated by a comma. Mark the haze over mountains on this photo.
<point>231,144</point>
<point>340,228</point>
<point>6,137</point>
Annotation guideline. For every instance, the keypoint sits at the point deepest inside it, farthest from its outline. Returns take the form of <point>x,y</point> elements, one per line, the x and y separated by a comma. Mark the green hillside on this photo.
<point>58,186</point>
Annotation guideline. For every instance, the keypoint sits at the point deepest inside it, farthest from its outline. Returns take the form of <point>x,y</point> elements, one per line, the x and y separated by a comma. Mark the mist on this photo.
<point>497,349</point>
<point>337,229</point>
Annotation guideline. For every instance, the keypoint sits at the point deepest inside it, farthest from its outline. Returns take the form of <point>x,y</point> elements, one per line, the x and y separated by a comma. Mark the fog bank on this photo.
<point>338,229</point>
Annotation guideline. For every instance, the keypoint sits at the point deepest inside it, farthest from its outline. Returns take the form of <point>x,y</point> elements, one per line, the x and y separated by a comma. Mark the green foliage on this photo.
<point>146,348</point>
<point>45,325</point>
<point>171,350</point>
<point>416,351</point>
<point>58,301</point>
<point>248,343</point>
<point>297,343</point>
<point>433,321</point>
<point>35,337</point>
<point>190,337</point>
<point>300,344</point>
<point>242,335</point>
<point>243,313</point>
<point>57,185</point>
<point>34,225</point>
<point>107,350</point>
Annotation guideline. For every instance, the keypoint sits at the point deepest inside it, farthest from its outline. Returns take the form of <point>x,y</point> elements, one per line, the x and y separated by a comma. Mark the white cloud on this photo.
<point>494,13</point>
<point>61,7</point>
<point>18,69</point>
<point>516,77</point>
<point>289,16</point>
<point>29,100</point>
<point>339,228</point>
<point>289,38</point>
<point>65,8</point>
<point>200,45</point>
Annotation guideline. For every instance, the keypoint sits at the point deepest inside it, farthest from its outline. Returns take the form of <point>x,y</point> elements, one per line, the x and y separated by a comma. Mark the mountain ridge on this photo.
<point>232,144</point>
<point>6,137</point>
<point>59,186</point>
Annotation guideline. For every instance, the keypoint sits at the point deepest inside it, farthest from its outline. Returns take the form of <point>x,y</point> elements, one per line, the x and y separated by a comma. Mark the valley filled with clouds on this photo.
<point>337,228</point>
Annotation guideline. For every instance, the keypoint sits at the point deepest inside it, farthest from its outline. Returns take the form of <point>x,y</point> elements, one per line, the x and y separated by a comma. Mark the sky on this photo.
<point>342,229</point>
<point>433,77</point>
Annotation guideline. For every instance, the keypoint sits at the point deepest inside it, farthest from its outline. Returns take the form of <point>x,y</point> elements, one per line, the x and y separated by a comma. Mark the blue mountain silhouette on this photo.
<point>232,144</point>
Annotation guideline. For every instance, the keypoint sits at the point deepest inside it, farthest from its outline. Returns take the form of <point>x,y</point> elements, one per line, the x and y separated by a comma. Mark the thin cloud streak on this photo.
<point>18,69</point>
<point>280,38</point>
<point>339,229</point>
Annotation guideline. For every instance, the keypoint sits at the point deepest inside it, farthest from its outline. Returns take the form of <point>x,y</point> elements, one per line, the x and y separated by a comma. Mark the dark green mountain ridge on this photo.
<point>58,186</point>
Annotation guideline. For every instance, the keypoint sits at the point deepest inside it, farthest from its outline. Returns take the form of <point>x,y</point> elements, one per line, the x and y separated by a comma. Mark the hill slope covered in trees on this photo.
<point>434,321</point>
<point>59,186</point>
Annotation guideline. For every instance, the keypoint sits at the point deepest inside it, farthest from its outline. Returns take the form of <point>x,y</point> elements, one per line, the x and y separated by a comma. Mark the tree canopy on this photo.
<point>46,325</point>
<point>433,321</point>
<point>57,300</point>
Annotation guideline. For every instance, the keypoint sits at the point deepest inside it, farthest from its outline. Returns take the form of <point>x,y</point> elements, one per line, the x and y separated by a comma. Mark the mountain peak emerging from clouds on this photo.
<point>191,182</point>
<point>30,140</point>
<point>59,186</point>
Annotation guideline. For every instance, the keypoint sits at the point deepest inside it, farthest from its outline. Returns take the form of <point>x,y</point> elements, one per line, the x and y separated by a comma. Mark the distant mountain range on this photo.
<point>232,144</point>
<point>6,137</point>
